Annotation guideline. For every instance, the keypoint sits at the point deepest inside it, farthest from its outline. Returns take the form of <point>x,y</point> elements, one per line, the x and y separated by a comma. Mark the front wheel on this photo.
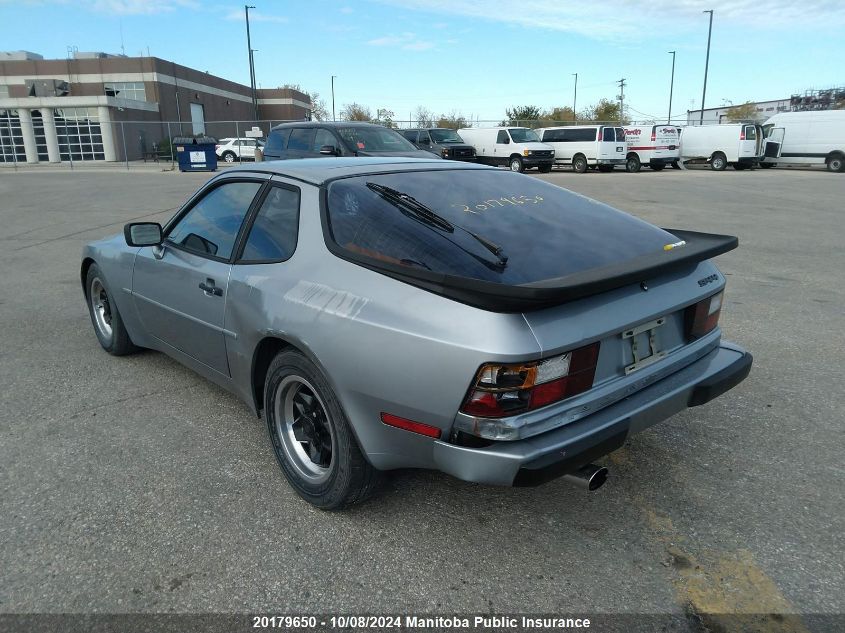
<point>579,164</point>
<point>719,162</point>
<point>516,164</point>
<point>632,164</point>
<point>312,438</point>
<point>229,157</point>
<point>836,163</point>
<point>108,325</point>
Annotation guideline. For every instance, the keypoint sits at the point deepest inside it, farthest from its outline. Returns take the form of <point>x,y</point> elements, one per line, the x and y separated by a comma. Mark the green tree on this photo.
<point>604,111</point>
<point>562,114</point>
<point>744,112</point>
<point>521,115</point>
<point>453,121</point>
<point>355,112</point>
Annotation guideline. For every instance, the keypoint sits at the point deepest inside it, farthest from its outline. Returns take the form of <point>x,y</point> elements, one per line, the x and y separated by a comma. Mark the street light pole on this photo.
<point>671,87</point>
<point>333,115</point>
<point>247,7</point>
<point>706,65</point>
<point>575,98</point>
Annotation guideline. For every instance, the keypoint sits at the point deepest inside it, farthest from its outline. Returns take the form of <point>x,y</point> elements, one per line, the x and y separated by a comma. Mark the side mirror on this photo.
<point>328,150</point>
<point>143,234</point>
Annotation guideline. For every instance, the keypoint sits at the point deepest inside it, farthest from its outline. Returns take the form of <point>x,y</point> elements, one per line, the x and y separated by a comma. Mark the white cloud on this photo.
<point>138,7</point>
<point>405,41</point>
<point>255,16</point>
<point>625,19</point>
<point>347,10</point>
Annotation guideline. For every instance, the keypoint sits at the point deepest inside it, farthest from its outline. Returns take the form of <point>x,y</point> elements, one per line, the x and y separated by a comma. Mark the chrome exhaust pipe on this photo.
<point>591,477</point>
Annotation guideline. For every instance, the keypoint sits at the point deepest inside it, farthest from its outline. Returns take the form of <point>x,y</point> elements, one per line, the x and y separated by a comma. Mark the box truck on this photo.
<point>736,144</point>
<point>519,148</point>
<point>653,145</point>
<point>806,138</point>
<point>584,146</point>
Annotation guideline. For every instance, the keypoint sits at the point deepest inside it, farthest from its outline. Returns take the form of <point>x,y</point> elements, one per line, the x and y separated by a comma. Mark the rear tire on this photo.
<point>108,325</point>
<point>579,163</point>
<point>675,165</point>
<point>836,163</point>
<point>632,164</point>
<point>658,167</point>
<point>311,436</point>
<point>718,162</point>
<point>516,164</point>
<point>768,165</point>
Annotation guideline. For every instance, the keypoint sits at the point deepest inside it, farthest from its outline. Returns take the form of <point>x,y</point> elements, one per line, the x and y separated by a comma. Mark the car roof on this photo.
<point>283,126</point>
<point>320,170</point>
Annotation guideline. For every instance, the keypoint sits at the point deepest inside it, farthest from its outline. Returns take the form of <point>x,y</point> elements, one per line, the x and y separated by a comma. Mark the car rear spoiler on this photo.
<point>693,248</point>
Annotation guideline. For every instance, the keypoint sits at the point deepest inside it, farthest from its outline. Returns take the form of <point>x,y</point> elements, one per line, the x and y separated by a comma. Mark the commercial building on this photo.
<point>96,106</point>
<point>712,116</point>
<point>826,99</point>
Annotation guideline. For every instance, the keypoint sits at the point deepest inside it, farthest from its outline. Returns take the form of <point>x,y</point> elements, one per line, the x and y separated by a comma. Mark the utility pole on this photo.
<point>706,65</point>
<point>247,7</point>
<point>621,83</point>
<point>333,115</point>
<point>671,86</point>
<point>575,98</point>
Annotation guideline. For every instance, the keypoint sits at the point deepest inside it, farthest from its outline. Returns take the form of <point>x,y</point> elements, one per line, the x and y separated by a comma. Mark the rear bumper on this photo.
<point>610,161</point>
<point>543,457</point>
<point>662,161</point>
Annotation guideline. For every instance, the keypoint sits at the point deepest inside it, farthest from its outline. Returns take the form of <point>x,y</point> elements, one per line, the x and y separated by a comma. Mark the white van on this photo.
<point>806,138</point>
<point>583,146</point>
<point>652,145</point>
<point>737,144</point>
<point>517,147</point>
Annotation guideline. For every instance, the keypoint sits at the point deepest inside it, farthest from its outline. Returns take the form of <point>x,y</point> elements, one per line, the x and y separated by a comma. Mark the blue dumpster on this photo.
<point>195,153</point>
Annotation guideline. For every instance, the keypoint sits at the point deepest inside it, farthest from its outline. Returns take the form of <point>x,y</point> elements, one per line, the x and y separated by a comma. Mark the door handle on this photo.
<point>210,289</point>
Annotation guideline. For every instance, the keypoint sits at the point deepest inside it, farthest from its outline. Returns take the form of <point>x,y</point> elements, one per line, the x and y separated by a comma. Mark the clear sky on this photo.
<point>476,57</point>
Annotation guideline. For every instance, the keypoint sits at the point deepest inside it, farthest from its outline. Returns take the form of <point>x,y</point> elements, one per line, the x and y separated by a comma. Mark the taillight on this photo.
<point>503,390</point>
<point>653,134</point>
<point>702,318</point>
<point>742,134</point>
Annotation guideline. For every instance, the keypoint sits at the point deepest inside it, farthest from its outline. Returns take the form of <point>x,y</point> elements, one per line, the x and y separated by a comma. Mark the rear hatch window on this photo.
<point>483,225</point>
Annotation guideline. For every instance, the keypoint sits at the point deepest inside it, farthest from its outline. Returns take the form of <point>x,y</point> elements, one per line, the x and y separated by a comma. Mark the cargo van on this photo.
<point>736,144</point>
<point>652,145</point>
<point>584,146</point>
<point>805,138</point>
<point>517,147</point>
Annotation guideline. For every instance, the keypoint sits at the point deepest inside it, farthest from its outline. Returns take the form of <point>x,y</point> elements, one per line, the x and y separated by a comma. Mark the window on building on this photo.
<point>197,119</point>
<point>79,135</point>
<point>11,137</point>
<point>133,90</point>
<point>4,91</point>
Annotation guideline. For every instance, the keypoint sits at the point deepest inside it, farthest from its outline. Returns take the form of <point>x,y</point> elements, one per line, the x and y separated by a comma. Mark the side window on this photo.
<point>212,224</point>
<point>608,134</point>
<point>425,139</point>
<point>502,137</point>
<point>274,233</point>
<point>277,141</point>
<point>301,139</point>
<point>411,135</point>
<point>324,137</point>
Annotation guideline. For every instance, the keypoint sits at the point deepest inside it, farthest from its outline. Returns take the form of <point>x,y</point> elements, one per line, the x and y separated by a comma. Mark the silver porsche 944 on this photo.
<point>392,313</point>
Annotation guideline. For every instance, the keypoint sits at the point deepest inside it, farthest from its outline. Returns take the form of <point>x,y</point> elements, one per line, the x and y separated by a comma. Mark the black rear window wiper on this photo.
<point>420,211</point>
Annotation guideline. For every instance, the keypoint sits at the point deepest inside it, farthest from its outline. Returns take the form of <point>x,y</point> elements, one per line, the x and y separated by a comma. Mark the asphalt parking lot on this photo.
<point>131,484</point>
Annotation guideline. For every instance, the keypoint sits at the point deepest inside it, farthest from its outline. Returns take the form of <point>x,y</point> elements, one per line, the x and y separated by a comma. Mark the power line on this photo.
<point>621,83</point>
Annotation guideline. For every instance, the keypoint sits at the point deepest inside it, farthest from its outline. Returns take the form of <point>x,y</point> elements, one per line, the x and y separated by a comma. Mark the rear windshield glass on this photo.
<point>374,139</point>
<point>490,225</point>
<point>523,135</point>
<point>446,136</point>
<point>750,133</point>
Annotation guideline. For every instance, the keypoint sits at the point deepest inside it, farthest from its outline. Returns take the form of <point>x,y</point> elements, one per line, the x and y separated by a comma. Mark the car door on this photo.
<point>500,153</point>
<point>180,287</point>
<point>247,148</point>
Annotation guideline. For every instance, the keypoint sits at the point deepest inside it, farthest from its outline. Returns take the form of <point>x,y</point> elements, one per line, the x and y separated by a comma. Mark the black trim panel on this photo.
<point>722,381</point>
<point>805,155</point>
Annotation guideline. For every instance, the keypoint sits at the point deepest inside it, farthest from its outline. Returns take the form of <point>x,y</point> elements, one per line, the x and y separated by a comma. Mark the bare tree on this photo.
<point>319,112</point>
<point>424,117</point>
